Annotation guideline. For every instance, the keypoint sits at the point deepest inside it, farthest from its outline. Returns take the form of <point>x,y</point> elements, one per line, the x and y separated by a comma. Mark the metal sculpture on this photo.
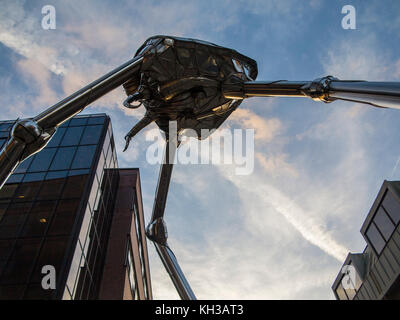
<point>195,83</point>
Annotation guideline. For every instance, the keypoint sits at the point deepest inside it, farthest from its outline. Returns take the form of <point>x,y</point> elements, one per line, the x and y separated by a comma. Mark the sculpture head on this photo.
<point>181,79</point>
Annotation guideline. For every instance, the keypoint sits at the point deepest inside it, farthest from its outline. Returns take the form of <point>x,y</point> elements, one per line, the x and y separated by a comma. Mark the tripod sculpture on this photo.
<point>198,85</point>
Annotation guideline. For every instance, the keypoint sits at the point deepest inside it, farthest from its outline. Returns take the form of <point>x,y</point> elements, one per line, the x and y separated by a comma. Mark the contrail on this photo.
<point>394,168</point>
<point>308,227</point>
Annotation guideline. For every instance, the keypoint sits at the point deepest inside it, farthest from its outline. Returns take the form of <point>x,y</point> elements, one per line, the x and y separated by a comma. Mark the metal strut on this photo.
<point>157,231</point>
<point>326,89</point>
<point>29,136</point>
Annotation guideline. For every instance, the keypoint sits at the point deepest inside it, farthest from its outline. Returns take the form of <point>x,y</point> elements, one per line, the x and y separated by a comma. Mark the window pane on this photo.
<point>83,157</point>
<point>7,191</point>
<point>64,217</point>
<point>4,134</point>
<point>51,189</point>
<point>392,206</point>
<point>35,291</point>
<point>383,223</point>
<point>55,140</point>
<point>12,292</point>
<point>351,293</point>
<point>63,158</point>
<point>42,160</point>
<point>72,136</point>
<point>78,121</point>
<point>38,219</point>
<point>5,126</point>
<point>14,219</point>
<point>74,187</point>
<point>15,178</point>
<point>27,191</point>
<point>56,175</point>
<point>91,134</point>
<point>66,123</point>
<point>29,177</point>
<point>23,167</point>
<point>375,238</point>
<point>52,254</point>
<point>2,142</point>
<point>340,292</point>
<point>96,120</point>
<point>20,264</point>
<point>78,172</point>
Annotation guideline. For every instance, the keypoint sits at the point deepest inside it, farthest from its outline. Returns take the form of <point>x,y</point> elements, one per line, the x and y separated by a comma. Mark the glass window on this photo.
<point>51,189</point>
<point>375,238</point>
<point>6,126</point>
<point>74,269</point>
<point>27,191</point>
<point>351,293</point>
<point>7,191</point>
<point>78,121</point>
<point>92,134</point>
<point>12,292</point>
<point>63,158</point>
<point>106,143</point>
<point>56,174</point>
<point>14,219</point>
<point>35,291</point>
<point>52,253</point>
<point>340,292</point>
<point>20,263</point>
<point>57,137</point>
<point>75,186</point>
<point>2,142</point>
<point>30,177</point>
<point>15,178</point>
<point>78,172</point>
<point>384,224</point>
<point>6,246</point>
<point>3,208</point>
<point>83,157</point>
<point>23,166</point>
<point>72,136</point>
<point>42,160</point>
<point>64,217</point>
<point>66,123</point>
<point>38,219</point>
<point>131,271</point>
<point>97,120</point>
<point>392,206</point>
<point>4,134</point>
<point>100,167</point>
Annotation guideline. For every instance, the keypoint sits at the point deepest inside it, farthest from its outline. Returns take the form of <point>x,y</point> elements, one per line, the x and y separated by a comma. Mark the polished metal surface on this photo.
<point>156,231</point>
<point>29,136</point>
<point>326,89</point>
<point>75,103</point>
<point>175,272</point>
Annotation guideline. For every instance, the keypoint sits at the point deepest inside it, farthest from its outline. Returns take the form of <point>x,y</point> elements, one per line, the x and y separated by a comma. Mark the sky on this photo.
<point>283,231</point>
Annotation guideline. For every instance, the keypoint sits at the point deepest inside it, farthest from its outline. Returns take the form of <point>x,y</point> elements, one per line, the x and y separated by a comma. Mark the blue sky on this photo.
<point>283,231</point>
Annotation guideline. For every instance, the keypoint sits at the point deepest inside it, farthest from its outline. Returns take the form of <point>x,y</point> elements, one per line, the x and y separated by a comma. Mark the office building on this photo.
<point>69,211</point>
<point>374,274</point>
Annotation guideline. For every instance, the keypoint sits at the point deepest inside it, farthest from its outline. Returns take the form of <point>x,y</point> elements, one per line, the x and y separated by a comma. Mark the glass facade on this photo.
<point>56,209</point>
<point>377,271</point>
<point>384,222</point>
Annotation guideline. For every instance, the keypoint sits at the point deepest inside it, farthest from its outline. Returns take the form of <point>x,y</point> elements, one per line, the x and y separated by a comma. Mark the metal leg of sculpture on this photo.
<point>157,231</point>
